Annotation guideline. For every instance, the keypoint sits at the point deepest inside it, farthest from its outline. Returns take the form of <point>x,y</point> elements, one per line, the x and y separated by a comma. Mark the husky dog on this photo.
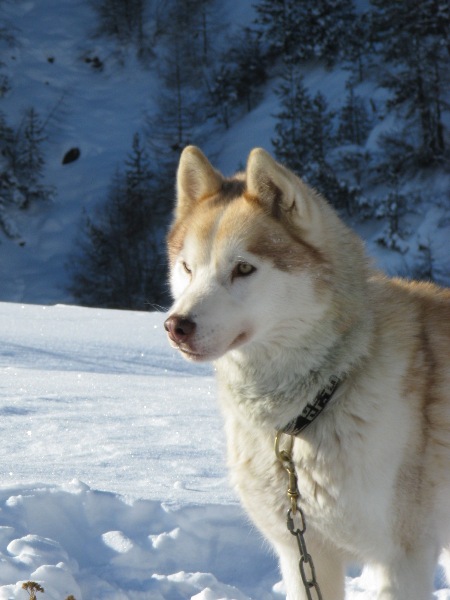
<point>274,288</point>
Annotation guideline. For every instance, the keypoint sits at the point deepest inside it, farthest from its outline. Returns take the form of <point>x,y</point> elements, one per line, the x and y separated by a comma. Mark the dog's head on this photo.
<point>245,257</point>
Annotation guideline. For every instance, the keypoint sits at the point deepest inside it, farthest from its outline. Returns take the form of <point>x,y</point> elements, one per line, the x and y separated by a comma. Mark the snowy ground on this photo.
<point>113,478</point>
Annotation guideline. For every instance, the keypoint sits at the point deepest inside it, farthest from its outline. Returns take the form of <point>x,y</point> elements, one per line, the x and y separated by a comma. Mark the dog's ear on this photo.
<point>278,190</point>
<point>196,179</point>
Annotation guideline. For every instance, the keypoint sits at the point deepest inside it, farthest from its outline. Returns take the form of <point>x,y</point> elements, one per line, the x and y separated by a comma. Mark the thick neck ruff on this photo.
<point>313,409</point>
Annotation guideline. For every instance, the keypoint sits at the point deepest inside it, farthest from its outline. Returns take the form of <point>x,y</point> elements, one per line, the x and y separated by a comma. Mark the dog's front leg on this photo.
<point>409,575</point>
<point>329,570</point>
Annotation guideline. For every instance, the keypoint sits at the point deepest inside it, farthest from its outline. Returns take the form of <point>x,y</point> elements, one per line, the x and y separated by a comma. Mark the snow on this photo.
<point>114,483</point>
<point>113,475</point>
<point>98,111</point>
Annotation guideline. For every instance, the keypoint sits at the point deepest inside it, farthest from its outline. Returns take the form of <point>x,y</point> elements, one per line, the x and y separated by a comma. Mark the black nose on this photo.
<point>179,328</point>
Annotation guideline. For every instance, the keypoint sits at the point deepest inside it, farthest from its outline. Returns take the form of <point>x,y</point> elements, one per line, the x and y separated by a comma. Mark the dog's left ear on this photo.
<point>196,179</point>
<point>279,191</point>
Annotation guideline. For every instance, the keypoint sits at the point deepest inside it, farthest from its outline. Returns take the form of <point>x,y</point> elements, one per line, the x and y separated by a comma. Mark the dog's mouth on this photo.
<point>192,349</point>
<point>194,355</point>
<point>191,355</point>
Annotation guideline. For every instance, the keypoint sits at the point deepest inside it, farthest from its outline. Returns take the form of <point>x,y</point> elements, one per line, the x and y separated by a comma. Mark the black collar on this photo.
<point>312,409</point>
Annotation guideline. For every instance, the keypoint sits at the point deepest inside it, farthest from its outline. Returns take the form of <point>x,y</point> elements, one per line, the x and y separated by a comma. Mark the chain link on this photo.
<point>306,564</point>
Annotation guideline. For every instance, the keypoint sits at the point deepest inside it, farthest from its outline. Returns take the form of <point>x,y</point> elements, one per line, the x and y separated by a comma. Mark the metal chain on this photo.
<point>306,564</point>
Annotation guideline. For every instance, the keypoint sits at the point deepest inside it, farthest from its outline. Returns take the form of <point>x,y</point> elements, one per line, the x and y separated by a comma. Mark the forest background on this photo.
<point>98,99</point>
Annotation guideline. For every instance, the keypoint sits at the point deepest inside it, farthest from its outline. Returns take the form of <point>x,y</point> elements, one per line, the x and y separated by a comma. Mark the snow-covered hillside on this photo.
<point>51,67</point>
<point>95,112</point>
<point>113,477</point>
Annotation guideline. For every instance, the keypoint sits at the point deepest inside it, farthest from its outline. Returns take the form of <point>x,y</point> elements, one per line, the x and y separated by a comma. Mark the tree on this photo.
<point>28,159</point>
<point>190,27</point>
<point>392,208</point>
<point>358,49</point>
<point>249,67</point>
<point>412,38</point>
<point>279,22</point>
<point>182,97</point>
<point>7,139</point>
<point>121,264</point>
<point>172,126</point>
<point>21,153</point>
<point>222,95</point>
<point>304,134</point>
<point>9,195</point>
<point>354,123</point>
<point>304,30</point>
<point>291,143</point>
<point>237,80</point>
<point>123,20</point>
<point>328,24</point>
<point>7,41</point>
<point>205,26</point>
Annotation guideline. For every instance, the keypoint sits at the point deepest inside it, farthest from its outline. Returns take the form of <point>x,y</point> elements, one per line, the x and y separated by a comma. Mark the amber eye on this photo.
<point>243,269</point>
<point>186,268</point>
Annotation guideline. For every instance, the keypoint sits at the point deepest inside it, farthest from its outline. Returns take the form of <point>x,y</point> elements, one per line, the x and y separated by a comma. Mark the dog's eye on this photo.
<point>243,269</point>
<point>186,268</point>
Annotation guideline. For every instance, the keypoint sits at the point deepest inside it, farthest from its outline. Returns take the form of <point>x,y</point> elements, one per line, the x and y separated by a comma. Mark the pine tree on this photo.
<point>121,264</point>
<point>124,20</point>
<point>328,24</point>
<point>22,158</point>
<point>5,84</point>
<point>172,126</point>
<point>291,143</point>
<point>304,134</point>
<point>9,195</point>
<point>392,208</point>
<point>238,79</point>
<point>412,38</point>
<point>181,100</point>
<point>249,67</point>
<point>6,138</point>
<point>7,42</point>
<point>354,124</point>
<point>222,96</point>
<point>279,23</point>
<point>352,161</point>
<point>189,29</point>
<point>358,50</point>
<point>205,27</point>
<point>305,30</point>
<point>28,160</point>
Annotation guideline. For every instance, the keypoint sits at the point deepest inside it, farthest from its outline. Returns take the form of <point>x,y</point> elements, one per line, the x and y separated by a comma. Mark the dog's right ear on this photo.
<point>196,179</point>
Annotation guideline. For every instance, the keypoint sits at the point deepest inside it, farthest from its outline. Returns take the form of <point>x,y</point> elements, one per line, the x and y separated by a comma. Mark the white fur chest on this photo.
<point>343,498</point>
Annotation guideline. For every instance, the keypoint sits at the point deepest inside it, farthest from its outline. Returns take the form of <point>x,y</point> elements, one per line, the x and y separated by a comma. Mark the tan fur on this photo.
<point>374,468</point>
